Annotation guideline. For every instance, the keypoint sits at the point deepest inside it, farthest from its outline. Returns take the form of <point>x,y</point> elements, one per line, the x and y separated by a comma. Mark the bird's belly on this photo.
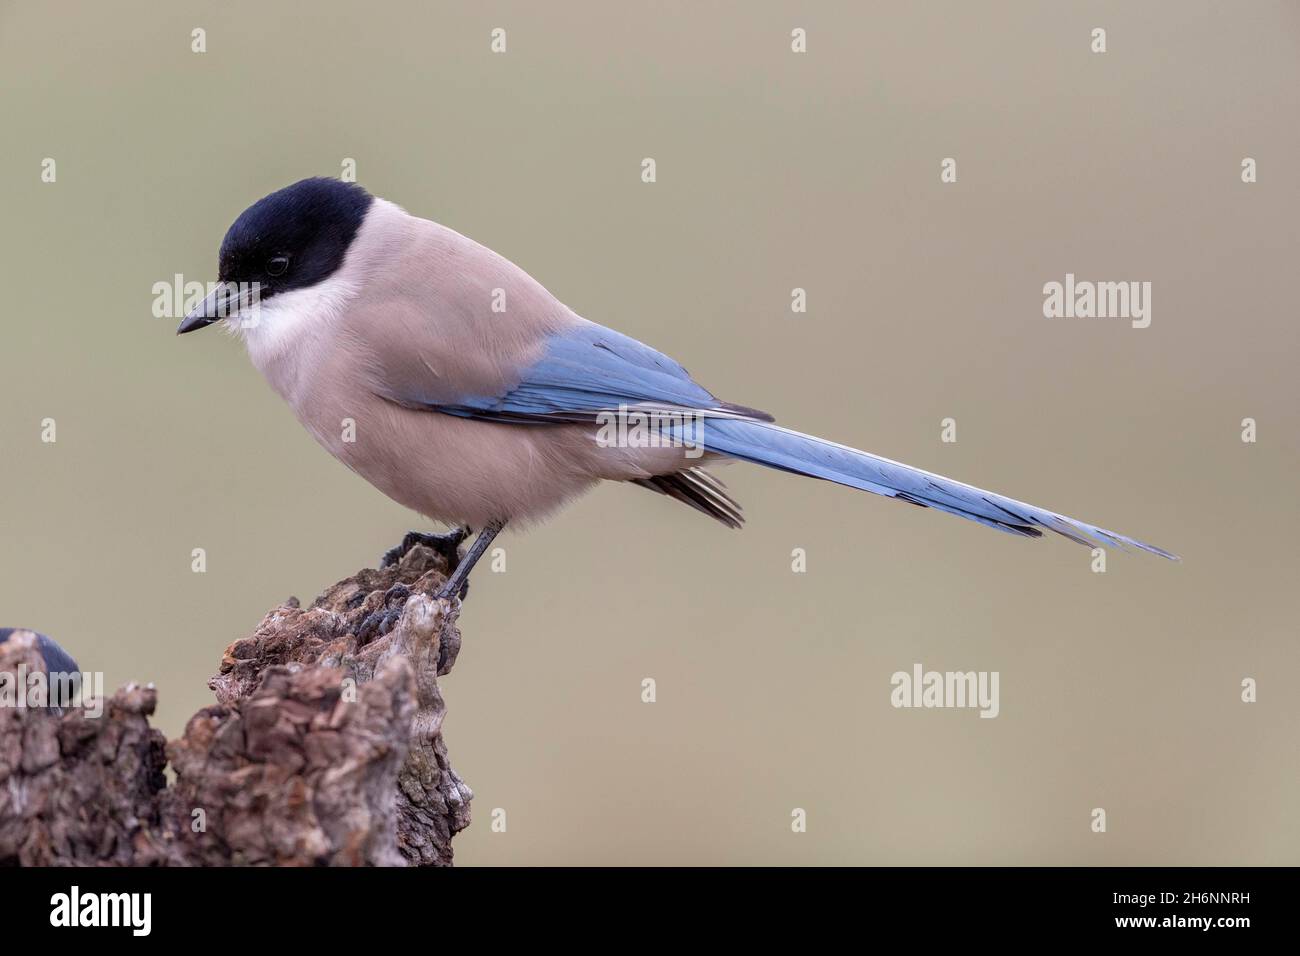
<point>462,471</point>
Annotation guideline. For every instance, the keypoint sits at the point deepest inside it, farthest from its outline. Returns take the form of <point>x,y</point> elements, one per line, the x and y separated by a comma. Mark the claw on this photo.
<point>447,545</point>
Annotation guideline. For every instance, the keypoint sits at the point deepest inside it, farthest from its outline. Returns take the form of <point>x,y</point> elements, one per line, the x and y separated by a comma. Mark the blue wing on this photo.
<point>589,369</point>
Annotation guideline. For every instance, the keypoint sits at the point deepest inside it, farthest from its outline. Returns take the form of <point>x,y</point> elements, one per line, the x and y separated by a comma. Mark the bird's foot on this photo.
<point>447,545</point>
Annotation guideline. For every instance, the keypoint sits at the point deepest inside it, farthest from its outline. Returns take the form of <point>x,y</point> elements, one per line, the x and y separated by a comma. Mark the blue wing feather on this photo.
<point>590,368</point>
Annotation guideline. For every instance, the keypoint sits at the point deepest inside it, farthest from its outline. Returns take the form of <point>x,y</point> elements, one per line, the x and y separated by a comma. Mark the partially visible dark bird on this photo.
<point>57,660</point>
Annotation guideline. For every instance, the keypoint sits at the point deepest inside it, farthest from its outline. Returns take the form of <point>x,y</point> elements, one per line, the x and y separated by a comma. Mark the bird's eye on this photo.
<point>277,266</point>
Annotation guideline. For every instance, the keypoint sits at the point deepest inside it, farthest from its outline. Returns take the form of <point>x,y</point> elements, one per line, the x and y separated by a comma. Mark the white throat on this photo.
<point>288,322</point>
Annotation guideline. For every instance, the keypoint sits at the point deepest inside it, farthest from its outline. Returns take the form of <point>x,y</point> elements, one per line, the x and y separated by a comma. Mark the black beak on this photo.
<point>223,301</point>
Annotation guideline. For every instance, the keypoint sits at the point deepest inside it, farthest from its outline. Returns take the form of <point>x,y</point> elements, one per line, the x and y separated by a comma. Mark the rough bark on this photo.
<point>324,746</point>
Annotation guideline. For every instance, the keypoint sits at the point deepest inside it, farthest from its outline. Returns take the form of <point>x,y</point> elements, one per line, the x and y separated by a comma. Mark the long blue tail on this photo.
<point>767,444</point>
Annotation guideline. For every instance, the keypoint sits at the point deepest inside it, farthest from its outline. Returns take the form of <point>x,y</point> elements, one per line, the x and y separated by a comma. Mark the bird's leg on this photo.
<point>457,583</point>
<point>447,545</point>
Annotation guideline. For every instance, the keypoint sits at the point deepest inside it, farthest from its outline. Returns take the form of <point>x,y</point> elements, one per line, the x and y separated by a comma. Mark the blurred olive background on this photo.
<point>775,170</point>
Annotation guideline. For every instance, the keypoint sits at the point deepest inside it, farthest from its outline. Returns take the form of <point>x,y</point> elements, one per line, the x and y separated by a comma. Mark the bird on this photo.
<point>456,384</point>
<point>63,678</point>
<point>57,660</point>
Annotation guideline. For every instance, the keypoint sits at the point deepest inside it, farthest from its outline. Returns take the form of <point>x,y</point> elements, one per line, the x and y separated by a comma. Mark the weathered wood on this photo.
<point>324,746</point>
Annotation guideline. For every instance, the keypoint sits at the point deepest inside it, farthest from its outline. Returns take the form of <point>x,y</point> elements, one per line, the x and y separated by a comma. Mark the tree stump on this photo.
<point>324,746</point>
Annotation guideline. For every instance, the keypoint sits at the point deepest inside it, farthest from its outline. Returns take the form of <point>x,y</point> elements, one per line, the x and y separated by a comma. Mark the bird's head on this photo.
<point>292,239</point>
